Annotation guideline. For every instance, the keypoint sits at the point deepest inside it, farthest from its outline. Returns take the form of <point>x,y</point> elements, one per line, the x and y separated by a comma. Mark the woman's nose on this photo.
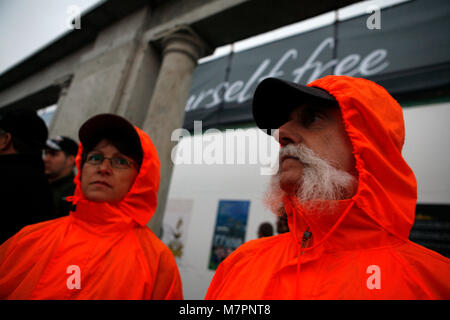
<point>105,166</point>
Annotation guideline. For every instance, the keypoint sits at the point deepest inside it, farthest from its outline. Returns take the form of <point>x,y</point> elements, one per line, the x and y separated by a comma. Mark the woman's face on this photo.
<point>101,181</point>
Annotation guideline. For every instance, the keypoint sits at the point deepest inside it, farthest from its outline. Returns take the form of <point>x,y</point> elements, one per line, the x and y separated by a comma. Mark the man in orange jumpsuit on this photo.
<point>349,197</point>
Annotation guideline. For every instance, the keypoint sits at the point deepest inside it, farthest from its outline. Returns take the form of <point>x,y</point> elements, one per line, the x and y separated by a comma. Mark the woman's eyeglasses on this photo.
<point>97,159</point>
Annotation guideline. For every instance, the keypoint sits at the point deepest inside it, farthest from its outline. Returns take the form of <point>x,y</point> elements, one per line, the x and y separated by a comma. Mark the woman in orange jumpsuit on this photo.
<point>103,249</point>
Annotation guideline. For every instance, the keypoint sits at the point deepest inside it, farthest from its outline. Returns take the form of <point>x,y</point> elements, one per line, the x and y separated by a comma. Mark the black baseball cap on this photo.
<point>274,99</point>
<point>62,143</point>
<point>111,125</point>
<point>26,127</point>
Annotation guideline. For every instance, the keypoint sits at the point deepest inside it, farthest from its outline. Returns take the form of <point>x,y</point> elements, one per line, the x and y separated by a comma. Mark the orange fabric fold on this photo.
<point>99,251</point>
<point>363,251</point>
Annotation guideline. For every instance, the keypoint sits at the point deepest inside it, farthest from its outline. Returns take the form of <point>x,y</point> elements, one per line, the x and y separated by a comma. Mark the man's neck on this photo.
<point>59,177</point>
<point>9,150</point>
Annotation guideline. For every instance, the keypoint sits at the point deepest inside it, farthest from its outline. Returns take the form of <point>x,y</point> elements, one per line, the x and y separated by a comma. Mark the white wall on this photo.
<point>426,150</point>
<point>206,185</point>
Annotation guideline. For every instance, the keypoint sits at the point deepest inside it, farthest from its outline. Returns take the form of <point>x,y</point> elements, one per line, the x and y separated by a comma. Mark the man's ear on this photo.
<point>71,160</point>
<point>6,143</point>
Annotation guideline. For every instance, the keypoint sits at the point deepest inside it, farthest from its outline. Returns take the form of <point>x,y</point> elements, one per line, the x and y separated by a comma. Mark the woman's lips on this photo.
<point>103,183</point>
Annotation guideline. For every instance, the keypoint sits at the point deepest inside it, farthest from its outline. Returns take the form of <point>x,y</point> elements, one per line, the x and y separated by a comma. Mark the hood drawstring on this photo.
<point>74,200</point>
<point>303,244</point>
<point>300,245</point>
<point>338,222</point>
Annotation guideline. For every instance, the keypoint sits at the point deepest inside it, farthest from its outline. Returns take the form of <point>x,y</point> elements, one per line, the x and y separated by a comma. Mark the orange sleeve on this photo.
<point>215,284</point>
<point>168,282</point>
<point>219,283</point>
<point>162,266</point>
<point>15,265</point>
<point>6,246</point>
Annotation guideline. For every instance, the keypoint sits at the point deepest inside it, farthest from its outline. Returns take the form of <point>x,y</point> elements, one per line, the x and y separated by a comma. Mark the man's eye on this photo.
<point>317,116</point>
<point>312,116</point>
<point>50,152</point>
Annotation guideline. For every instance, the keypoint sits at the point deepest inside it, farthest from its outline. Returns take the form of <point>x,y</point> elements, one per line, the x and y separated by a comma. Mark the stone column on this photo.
<point>181,48</point>
<point>101,78</point>
<point>63,84</point>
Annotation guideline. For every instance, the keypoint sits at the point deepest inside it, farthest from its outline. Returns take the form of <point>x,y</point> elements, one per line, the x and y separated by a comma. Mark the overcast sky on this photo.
<point>28,25</point>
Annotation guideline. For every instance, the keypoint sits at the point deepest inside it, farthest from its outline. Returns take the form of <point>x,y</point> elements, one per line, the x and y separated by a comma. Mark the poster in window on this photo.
<point>230,229</point>
<point>175,226</point>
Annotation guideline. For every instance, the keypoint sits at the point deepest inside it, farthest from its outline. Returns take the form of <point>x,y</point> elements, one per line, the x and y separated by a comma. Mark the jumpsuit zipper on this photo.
<point>305,240</point>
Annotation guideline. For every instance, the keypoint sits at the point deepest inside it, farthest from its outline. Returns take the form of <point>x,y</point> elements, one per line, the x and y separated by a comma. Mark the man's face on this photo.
<point>57,163</point>
<point>319,128</point>
<point>6,146</point>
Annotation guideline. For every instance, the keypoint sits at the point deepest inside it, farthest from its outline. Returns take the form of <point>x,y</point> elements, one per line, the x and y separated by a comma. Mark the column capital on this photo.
<point>183,39</point>
<point>63,83</point>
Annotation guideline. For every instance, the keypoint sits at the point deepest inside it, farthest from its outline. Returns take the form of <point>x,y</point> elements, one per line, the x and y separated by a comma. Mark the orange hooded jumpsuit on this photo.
<point>361,253</point>
<point>113,252</point>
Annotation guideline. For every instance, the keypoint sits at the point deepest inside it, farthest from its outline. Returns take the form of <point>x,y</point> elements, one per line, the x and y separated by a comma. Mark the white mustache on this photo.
<point>300,152</point>
<point>320,180</point>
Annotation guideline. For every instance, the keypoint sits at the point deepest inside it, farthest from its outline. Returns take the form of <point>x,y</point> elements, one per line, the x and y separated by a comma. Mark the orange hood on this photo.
<point>137,206</point>
<point>362,251</point>
<point>117,256</point>
<point>387,189</point>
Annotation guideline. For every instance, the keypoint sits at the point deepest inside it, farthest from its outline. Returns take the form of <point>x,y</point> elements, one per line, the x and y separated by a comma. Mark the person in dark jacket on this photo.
<point>25,196</point>
<point>59,159</point>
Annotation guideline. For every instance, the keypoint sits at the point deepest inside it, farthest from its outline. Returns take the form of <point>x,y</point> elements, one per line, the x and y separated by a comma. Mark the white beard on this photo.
<point>320,181</point>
